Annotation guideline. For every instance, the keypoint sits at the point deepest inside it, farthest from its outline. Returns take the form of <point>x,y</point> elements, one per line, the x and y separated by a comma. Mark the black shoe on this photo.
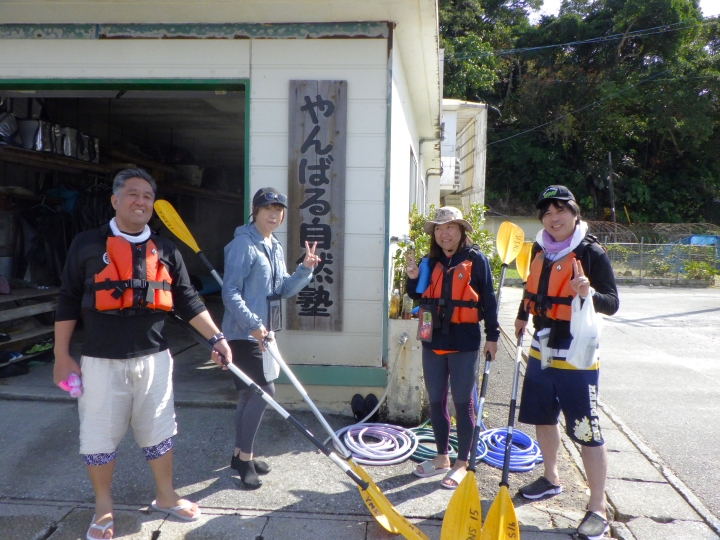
<point>247,472</point>
<point>357,404</point>
<point>371,402</point>
<point>539,488</point>
<point>592,527</point>
<point>260,466</point>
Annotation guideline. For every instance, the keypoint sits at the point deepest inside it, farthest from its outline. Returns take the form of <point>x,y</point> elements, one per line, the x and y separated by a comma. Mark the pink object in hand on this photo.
<point>72,384</point>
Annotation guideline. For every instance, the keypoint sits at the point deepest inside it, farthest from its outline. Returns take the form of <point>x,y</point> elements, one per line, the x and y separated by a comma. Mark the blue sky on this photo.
<point>708,7</point>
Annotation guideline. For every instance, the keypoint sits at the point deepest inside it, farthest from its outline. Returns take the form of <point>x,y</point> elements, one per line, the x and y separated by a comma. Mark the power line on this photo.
<point>580,109</point>
<point>681,78</point>
<point>600,39</point>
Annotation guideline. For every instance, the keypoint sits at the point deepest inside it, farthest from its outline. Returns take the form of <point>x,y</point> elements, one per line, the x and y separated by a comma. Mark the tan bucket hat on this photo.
<point>446,214</point>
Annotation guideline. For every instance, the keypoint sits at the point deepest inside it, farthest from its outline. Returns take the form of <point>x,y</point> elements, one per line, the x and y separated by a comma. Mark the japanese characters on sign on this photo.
<point>316,187</point>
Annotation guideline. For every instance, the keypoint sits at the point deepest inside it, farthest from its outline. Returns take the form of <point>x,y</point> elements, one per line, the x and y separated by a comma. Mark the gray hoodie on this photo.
<point>248,281</point>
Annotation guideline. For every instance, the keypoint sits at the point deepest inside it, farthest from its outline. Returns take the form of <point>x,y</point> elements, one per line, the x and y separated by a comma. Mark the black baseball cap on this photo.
<point>559,193</point>
<point>268,195</point>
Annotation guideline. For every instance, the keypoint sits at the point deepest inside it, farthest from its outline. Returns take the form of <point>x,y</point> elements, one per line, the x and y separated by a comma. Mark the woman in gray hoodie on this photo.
<point>255,280</point>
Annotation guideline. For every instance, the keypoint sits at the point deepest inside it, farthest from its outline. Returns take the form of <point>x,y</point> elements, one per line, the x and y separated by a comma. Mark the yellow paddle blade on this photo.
<point>509,240</point>
<point>463,517</point>
<point>523,261</point>
<point>500,522</point>
<point>174,222</point>
<point>383,511</point>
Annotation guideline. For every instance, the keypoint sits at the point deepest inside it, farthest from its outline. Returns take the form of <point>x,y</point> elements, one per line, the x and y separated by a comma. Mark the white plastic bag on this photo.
<point>585,327</point>
<point>271,368</point>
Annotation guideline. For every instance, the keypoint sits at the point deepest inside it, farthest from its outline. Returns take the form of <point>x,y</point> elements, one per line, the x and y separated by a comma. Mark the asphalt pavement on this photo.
<point>45,493</point>
<point>661,374</point>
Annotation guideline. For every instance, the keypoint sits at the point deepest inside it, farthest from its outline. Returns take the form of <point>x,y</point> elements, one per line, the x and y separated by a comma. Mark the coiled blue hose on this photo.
<point>524,453</point>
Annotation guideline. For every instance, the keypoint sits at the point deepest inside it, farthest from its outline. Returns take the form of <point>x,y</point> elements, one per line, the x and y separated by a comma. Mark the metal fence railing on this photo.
<point>670,261</point>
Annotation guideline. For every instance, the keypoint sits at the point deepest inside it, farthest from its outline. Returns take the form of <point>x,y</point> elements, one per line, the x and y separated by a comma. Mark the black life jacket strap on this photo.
<point>543,302</point>
<point>119,287</point>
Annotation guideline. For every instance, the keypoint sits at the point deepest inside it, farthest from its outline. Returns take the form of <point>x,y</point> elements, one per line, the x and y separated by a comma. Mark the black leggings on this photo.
<point>248,414</point>
<point>460,368</point>
<point>250,407</point>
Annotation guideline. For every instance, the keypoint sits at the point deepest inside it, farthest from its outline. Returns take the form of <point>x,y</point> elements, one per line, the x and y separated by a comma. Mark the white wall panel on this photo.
<point>365,184</point>
<point>363,285</point>
<point>124,59</point>
<point>403,138</point>
<point>370,215</point>
<point>343,349</point>
<point>363,63</point>
<point>267,149</point>
<point>363,251</point>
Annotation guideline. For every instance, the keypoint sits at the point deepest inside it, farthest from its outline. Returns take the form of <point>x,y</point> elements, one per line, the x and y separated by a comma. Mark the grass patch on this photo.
<point>511,273</point>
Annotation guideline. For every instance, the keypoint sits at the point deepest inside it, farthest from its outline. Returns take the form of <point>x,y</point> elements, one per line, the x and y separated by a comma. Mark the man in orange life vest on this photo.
<point>124,279</point>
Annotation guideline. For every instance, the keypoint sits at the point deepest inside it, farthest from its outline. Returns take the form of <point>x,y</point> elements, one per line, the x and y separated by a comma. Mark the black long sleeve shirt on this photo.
<point>114,336</point>
<point>466,336</point>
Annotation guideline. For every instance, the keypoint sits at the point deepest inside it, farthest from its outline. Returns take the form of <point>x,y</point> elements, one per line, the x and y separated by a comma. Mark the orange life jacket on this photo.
<point>450,291</point>
<point>548,292</point>
<point>553,298</point>
<point>115,285</point>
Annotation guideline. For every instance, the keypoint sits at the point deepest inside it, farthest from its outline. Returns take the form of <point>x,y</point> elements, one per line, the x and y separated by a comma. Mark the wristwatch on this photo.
<point>217,337</point>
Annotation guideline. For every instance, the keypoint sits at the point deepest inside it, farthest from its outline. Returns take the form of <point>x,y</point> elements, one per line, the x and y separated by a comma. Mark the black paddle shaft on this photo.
<point>511,418</point>
<point>476,431</point>
<point>484,384</point>
<point>302,429</point>
<point>205,260</point>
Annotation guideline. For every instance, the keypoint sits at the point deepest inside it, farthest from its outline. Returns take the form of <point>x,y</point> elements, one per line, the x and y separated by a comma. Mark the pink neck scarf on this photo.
<point>551,246</point>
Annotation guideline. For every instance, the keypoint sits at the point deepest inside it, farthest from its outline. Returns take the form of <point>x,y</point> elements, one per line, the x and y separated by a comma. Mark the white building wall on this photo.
<point>404,137</point>
<point>124,59</point>
<point>363,63</point>
<point>270,65</point>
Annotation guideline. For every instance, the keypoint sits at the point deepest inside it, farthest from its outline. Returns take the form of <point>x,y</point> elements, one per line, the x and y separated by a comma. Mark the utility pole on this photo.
<point>612,192</point>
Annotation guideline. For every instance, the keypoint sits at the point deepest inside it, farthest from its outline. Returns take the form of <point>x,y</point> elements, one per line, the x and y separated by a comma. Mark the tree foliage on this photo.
<point>634,82</point>
<point>419,241</point>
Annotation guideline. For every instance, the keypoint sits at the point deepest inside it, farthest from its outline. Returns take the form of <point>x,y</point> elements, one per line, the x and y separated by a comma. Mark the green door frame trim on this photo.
<point>219,85</point>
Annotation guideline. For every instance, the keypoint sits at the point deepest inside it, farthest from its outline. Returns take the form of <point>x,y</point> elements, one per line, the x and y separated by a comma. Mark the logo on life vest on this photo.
<point>558,268</point>
<point>459,276</point>
<point>153,251</point>
<point>106,259</point>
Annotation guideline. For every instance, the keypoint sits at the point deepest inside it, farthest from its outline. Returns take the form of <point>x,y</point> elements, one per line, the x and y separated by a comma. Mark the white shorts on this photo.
<point>117,393</point>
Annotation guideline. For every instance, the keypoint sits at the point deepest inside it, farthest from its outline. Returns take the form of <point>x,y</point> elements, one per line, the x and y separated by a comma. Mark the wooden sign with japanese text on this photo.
<point>316,206</point>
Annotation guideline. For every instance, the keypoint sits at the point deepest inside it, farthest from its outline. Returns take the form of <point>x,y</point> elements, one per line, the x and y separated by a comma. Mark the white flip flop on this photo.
<point>175,511</point>
<point>455,477</point>
<point>101,528</point>
<point>428,469</point>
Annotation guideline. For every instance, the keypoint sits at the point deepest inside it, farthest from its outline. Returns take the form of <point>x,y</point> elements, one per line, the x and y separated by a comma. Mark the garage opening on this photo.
<point>59,151</point>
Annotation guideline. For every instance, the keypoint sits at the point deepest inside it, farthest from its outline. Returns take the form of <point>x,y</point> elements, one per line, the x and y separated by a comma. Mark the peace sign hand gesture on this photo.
<point>579,283</point>
<point>310,260</point>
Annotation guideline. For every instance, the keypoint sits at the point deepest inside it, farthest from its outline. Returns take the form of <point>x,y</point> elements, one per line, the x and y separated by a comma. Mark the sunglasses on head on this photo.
<point>268,196</point>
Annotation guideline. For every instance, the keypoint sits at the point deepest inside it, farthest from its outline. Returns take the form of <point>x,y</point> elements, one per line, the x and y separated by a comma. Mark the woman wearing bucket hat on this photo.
<point>459,294</point>
<point>255,280</point>
<point>566,262</point>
